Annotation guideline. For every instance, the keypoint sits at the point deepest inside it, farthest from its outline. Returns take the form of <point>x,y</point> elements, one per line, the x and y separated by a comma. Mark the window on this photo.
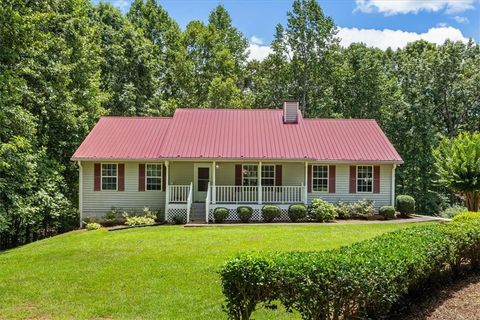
<point>268,175</point>
<point>154,176</point>
<point>320,178</point>
<point>249,175</point>
<point>109,176</point>
<point>364,178</point>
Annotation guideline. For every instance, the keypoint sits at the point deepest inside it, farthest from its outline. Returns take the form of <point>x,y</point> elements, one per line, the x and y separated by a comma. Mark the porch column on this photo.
<point>167,191</point>
<point>214,189</point>
<point>393,184</point>
<point>305,187</point>
<point>259,182</point>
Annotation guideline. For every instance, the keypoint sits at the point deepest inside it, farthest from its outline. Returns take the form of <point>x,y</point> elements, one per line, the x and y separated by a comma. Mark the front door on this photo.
<point>201,179</point>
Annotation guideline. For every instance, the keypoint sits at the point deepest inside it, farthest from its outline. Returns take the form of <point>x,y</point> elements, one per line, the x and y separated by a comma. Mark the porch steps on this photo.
<point>197,214</point>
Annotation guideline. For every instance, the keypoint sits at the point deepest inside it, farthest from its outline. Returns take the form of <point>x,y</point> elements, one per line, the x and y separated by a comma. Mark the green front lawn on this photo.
<point>167,272</point>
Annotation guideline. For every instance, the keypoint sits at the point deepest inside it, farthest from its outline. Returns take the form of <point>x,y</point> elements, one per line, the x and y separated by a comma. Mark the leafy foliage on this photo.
<point>405,204</point>
<point>388,212</point>
<point>244,213</point>
<point>362,280</point>
<point>220,214</point>
<point>322,211</point>
<point>297,212</point>
<point>270,212</point>
<point>452,211</point>
<point>93,226</point>
<point>458,164</point>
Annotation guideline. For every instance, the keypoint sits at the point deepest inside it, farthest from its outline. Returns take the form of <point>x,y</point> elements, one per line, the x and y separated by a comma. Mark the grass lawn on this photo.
<point>166,272</point>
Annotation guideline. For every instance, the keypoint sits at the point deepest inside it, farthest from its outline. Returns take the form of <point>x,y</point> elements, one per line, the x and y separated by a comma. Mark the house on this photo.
<point>201,159</point>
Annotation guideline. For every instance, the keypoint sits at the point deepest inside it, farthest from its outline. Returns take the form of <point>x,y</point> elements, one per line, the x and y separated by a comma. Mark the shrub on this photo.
<point>93,226</point>
<point>405,205</point>
<point>466,216</point>
<point>220,214</point>
<point>363,209</point>
<point>388,212</point>
<point>244,213</point>
<point>452,211</point>
<point>297,212</point>
<point>345,210</point>
<point>322,211</point>
<point>270,212</point>
<point>178,219</point>
<point>112,214</point>
<point>359,281</point>
<point>137,220</point>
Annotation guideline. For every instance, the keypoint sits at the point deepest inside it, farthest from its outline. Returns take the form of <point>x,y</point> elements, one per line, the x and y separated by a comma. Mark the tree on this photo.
<point>309,43</point>
<point>457,161</point>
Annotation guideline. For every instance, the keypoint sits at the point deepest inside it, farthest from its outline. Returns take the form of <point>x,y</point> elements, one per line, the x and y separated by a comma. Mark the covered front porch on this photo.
<point>195,189</point>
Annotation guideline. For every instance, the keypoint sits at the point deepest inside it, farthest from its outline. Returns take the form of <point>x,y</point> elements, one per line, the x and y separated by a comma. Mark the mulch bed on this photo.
<point>457,299</point>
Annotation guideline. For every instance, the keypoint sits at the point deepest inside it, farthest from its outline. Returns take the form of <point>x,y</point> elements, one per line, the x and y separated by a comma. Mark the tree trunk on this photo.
<point>473,200</point>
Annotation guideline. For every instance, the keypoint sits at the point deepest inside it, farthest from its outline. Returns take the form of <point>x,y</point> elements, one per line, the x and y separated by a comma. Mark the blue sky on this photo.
<point>379,23</point>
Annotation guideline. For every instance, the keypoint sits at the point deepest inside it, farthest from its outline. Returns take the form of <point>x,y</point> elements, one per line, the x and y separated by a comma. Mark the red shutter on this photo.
<point>309,178</point>
<point>97,176</point>
<point>164,178</point>
<point>278,175</point>
<point>376,179</point>
<point>121,176</point>
<point>238,174</point>
<point>141,177</point>
<point>353,179</point>
<point>331,179</point>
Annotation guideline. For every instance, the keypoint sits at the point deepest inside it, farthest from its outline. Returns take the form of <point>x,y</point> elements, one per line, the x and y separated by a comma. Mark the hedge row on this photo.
<point>362,280</point>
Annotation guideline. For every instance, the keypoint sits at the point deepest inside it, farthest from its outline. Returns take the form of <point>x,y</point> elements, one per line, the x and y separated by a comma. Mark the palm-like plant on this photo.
<point>457,161</point>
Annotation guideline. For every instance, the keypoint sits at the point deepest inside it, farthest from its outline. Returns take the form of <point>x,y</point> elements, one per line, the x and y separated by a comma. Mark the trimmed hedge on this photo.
<point>220,214</point>
<point>297,212</point>
<point>245,213</point>
<point>270,212</point>
<point>466,216</point>
<point>388,212</point>
<point>405,205</point>
<point>363,280</point>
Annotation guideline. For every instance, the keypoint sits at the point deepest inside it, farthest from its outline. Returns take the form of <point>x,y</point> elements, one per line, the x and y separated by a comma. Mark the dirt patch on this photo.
<point>458,299</point>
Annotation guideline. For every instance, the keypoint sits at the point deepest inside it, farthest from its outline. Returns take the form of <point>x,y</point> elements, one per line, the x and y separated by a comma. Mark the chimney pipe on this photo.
<point>290,111</point>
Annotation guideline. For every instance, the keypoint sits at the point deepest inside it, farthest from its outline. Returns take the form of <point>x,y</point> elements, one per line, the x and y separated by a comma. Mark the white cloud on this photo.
<point>397,38</point>
<point>257,50</point>
<point>392,7</point>
<point>463,20</point>
<point>442,24</point>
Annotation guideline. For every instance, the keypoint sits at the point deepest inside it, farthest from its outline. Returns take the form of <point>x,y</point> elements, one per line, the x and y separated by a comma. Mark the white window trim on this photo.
<point>356,178</point>
<point>328,177</point>
<point>274,174</point>
<point>161,177</point>
<point>250,178</point>
<point>102,176</point>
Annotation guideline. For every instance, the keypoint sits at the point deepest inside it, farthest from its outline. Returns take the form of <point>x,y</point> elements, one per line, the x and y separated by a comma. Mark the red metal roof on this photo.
<point>236,134</point>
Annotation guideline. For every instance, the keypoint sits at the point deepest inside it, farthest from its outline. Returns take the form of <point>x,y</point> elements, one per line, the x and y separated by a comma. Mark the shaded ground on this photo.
<point>454,300</point>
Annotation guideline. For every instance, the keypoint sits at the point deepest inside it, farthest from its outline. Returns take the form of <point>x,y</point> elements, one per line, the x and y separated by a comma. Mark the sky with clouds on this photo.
<point>378,23</point>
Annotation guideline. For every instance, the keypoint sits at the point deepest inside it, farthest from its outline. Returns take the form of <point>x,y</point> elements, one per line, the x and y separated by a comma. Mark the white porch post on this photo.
<point>393,184</point>
<point>259,182</point>
<point>214,190</point>
<point>305,188</point>
<point>80,191</point>
<point>167,191</point>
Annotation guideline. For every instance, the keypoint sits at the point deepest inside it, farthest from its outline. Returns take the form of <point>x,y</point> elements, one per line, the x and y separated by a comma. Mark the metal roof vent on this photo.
<point>290,111</point>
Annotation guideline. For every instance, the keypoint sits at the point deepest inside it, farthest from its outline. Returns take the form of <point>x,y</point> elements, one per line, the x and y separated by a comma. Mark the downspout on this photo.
<point>80,192</point>
<point>393,185</point>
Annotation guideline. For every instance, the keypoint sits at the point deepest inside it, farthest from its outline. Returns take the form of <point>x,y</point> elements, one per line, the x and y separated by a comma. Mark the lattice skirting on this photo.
<point>256,217</point>
<point>176,212</point>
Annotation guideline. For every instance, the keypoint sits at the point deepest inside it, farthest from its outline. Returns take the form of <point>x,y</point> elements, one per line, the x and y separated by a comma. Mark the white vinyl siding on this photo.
<point>98,203</point>
<point>342,188</point>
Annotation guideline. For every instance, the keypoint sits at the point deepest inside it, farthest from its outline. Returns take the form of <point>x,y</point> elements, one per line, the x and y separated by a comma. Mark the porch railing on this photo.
<point>207,202</point>
<point>250,194</point>
<point>283,194</point>
<point>236,194</point>
<point>178,193</point>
